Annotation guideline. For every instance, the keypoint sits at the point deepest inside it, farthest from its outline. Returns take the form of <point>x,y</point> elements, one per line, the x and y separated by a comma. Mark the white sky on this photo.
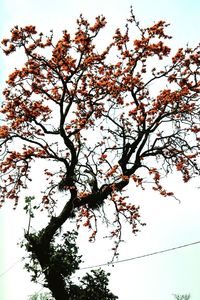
<point>169,223</point>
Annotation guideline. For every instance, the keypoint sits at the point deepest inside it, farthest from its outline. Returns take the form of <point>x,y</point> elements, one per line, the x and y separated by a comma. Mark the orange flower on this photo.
<point>3,131</point>
<point>87,223</point>
<point>103,156</point>
<point>112,171</point>
<point>179,166</point>
<point>83,194</point>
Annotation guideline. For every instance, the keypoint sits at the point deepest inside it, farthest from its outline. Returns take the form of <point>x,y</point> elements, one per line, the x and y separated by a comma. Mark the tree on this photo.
<point>94,286</point>
<point>37,296</point>
<point>65,260</point>
<point>182,297</point>
<point>100,120</point>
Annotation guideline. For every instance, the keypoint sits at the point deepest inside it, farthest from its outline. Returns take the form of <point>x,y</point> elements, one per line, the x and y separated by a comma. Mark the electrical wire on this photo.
<point>118,261</point>
<point>11,267</point>
<point>140,256</point>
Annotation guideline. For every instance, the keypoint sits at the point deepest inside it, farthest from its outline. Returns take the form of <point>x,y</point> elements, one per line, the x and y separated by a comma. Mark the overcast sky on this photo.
<point>169,224</point>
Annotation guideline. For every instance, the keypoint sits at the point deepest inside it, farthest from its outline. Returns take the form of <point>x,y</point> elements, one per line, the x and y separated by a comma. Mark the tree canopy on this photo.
<point>100,119</point>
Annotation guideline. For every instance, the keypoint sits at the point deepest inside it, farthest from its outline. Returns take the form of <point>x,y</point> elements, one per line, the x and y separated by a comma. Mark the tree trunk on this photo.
<point>56,284</point>
<point>40,244</point>
<point>54,280</point>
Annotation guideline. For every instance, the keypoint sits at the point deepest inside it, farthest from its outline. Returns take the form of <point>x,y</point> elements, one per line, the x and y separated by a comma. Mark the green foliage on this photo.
<point>182,297</point>
<point>41,296</point>
<point>63,255</point>
<point>64,259</point>
<point>95,286</point>
<point>92,286</point>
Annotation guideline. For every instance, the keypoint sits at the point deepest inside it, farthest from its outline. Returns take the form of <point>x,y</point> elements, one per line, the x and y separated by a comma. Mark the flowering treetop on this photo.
<point>99,117</point>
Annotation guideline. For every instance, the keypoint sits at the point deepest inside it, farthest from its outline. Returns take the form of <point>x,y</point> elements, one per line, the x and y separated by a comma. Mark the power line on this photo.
<point>141,256</point>
<point>11,267</point>
<point>116,262</point>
